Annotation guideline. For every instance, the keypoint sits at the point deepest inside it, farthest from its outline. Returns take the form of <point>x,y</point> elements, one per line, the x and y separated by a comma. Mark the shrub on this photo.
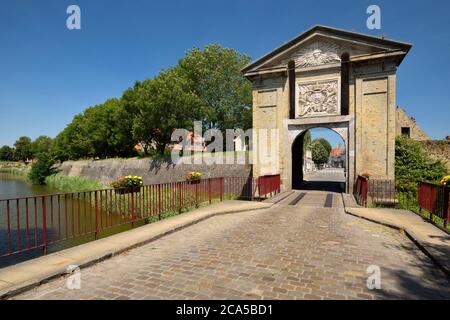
<point>42,168</point>
<point>413,164</point>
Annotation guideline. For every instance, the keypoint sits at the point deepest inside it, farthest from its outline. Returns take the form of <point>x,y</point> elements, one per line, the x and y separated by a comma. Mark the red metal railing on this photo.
<point>269,185</point>
<point>30,223</point>
<point>361,190</point>
<point>436,200</point>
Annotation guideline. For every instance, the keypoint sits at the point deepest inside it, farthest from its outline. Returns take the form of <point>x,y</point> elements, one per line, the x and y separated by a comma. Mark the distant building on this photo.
<point>308,163</point>
<point>196,143</point>
<point>337,157</point>
<point>407,126</point>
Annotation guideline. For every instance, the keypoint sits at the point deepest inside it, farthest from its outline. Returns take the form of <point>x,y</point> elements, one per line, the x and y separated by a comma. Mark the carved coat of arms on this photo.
<point>318,98</point>
<point>318,54</point>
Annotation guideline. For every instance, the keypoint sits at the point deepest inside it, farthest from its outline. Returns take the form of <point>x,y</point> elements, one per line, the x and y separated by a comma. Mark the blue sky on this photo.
<point>48,73</point>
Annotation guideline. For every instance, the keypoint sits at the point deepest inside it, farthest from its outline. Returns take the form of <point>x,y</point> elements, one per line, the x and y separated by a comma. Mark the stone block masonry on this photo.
<point>152,171</point>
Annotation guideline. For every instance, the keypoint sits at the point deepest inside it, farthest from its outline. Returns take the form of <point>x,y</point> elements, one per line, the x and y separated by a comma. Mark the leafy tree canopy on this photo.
<point>206,85</point>
<point>24,148</point>
<point>214,75</point>
<point>7,154</point>
<point>320,155</point>
<point>325,144</point>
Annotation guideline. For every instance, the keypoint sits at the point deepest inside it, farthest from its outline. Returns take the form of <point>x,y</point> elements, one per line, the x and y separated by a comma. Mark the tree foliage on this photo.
<point>325,144</point>
<point>42,144</point>
<point>43,167</point>
<point>206,85</point>
<point>412,164</point>
<point>7,154</point>
<point>100,131</point>
<point>23,148</point>
<point>320,155</point>
<point>214,75</point>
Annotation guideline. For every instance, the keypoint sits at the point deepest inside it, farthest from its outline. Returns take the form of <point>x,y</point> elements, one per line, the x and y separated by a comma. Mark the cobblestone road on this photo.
<point>286,252</point>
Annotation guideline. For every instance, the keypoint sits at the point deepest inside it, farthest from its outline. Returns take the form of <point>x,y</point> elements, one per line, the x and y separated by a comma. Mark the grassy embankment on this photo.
<point>58,182</point>
<point>14,168</point>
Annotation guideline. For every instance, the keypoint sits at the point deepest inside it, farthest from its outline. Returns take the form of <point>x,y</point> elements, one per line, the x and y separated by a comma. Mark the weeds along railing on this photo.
<point>435,199</point>
<point>378,192</point>
<point>31,223</point>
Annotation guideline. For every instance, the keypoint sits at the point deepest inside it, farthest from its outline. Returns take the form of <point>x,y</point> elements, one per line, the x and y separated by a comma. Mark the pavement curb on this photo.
<point>34,282</point>
<point>410,236</point>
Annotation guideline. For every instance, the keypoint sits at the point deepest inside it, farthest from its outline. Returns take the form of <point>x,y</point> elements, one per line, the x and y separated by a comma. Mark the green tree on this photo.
<point>7,153</point>
<point>412,164</point>
<point>319,154</point>
<point>42,144</point>
<point>43,167</point>
<point>23,148</point>
<point>73,142</point>
<point>101,131</point>
<point>325,144</point>
<point>164,104</point>
<point>205,85</point>
<point>214,74</point>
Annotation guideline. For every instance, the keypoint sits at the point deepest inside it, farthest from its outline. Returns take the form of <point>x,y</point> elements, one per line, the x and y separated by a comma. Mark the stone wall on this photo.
<point>152,171</point>
<point>403,120</point>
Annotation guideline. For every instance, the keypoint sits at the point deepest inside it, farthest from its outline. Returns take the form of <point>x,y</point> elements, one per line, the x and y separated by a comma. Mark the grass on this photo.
<point>436,220</point>
<point>14,168</point>
<point>72,184</point>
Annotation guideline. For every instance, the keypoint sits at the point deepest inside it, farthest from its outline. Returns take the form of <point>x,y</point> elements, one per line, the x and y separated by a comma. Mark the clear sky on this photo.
<point>48,73</point>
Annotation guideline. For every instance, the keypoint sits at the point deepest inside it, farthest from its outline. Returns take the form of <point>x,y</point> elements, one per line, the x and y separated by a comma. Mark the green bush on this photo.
<point>42,168</point>
<point>412,165</point>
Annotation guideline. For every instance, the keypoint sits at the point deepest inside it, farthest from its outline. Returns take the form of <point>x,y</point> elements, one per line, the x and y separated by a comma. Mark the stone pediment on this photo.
<point>323,46</point>
<point>319,52</point>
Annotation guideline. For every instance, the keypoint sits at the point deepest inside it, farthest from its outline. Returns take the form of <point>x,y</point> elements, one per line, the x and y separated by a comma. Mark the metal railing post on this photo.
<point>132,208</point>
<point>196,194</point>
<point>96,215</point>
<point>221,188</point>
<point>44,225</point>
<point>209,190</point>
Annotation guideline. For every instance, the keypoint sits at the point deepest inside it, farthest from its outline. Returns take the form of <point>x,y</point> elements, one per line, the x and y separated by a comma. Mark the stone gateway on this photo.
<point>334,79</point>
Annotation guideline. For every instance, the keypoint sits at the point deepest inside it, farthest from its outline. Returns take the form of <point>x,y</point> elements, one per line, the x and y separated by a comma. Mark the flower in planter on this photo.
<point>194,176</point>
<point>128,182</point>
<point>445,181</point>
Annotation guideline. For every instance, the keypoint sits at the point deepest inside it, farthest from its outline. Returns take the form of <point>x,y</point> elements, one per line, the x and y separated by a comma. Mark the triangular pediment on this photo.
<point>323,46</point>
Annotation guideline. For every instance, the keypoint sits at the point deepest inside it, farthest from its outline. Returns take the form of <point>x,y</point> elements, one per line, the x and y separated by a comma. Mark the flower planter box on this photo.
<point>194,181</point>
<point>128,190</point>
